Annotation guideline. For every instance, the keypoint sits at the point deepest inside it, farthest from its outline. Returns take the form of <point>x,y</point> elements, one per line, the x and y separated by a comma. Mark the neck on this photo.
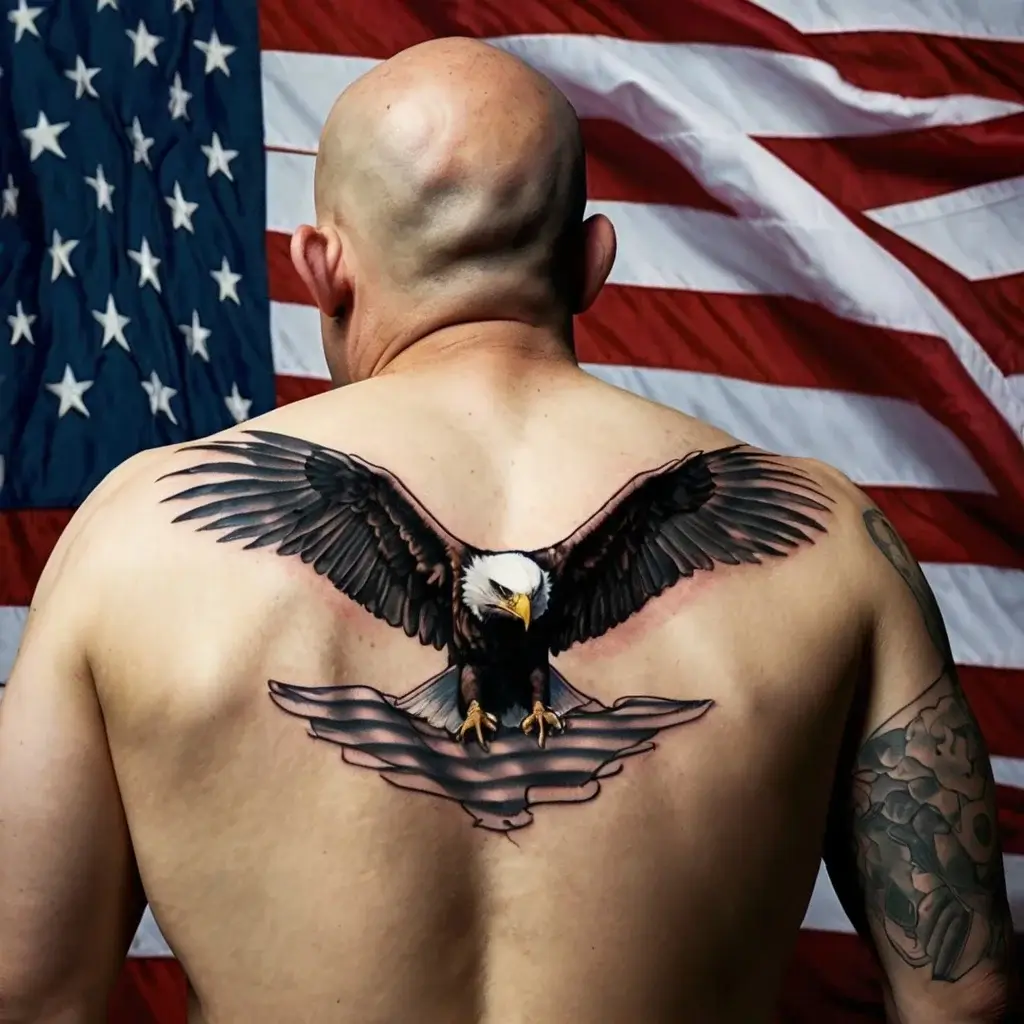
<point>503,349</point>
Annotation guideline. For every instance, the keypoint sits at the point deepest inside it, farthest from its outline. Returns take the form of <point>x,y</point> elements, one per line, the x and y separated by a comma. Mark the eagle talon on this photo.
<point>539,717</point>
<point>476,721</point>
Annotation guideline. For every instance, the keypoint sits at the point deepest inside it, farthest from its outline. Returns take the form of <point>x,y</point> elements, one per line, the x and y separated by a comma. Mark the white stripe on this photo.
<point>824,912</point>
<point>975,19</point>
<point>977,231</point>
<point>1016,381</point>
<point>12,624</point>
<point>1008,771</point>
<point>702,124</point>
<point>984,611</point>
<point>875,441</point>
<point>751,91</point>
<point>149,940</point>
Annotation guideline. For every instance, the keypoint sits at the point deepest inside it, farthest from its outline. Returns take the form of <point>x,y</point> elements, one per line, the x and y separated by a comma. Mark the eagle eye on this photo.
<point>503,592</point>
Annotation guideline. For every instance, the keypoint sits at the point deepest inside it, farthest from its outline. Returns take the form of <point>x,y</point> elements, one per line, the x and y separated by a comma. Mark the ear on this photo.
<point>318,259</point>
<point>598,256</point>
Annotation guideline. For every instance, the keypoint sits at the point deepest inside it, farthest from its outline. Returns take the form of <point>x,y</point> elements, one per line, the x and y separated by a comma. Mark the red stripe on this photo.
<point>833,978</point>
<point>149,991</point>
<point>26,539</point>
<point>384,27</point>
<point>1010,803</point>
<point>916,64</point>
<point>622,165</point>
<point>1002,300</point>
<point>960,528</point>
<point>294,389</point>
<point>868,172</point>
<point>910,64</point>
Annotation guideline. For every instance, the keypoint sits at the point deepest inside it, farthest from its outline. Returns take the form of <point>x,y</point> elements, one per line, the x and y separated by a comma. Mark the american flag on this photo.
<point>820,209</point>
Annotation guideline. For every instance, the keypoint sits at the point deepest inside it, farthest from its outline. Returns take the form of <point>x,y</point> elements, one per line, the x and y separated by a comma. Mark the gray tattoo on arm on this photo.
<point>924,821</point>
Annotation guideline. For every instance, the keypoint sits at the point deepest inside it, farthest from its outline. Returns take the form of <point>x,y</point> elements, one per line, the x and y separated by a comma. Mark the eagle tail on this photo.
<point>436,701</point>
<point>563,696</point>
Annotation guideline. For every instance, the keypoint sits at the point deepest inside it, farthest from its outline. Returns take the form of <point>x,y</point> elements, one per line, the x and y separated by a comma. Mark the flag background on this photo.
<point>821,219</point>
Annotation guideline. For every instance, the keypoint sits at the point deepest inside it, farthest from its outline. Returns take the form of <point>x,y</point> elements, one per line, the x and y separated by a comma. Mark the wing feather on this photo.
<point>353,522</point>
<point>733,506</point>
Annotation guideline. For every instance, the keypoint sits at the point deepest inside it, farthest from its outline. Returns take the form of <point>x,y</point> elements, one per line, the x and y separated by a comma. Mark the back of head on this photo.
<point>453,177</point>
<point>458,169</point>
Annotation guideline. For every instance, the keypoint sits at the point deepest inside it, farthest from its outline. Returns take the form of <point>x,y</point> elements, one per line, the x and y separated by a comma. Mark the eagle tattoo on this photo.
<point>499,615</point>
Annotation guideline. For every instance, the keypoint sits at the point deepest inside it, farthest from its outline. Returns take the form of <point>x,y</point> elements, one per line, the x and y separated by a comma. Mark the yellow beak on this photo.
<point>519,606</point>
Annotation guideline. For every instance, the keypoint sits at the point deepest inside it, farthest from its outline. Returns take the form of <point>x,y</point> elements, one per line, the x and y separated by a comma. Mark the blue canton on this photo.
<point>133,283</point>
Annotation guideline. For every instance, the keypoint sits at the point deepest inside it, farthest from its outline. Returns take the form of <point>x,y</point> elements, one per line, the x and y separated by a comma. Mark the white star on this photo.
<point>60,252</point>
<point>143,44</point>
<point>113,324</point>
<point>104,190</point>
<point>160,396</point>
<point>196,336</point>
<point>44,137</point>
<point>21,325</point>
<point>183,5</point>
<point>237,405</point>
<point>140,143</point>
<point>218,158</point>
<point>226,281</point>
<point>216,54</point>
<point>147,262</point>
<point>10,198</point>
<point>100,4</point>
<point>181,210</point>
<point>82,77</point>
<point>179,99</point>
<point>23,18</point>
<point>70,392</point>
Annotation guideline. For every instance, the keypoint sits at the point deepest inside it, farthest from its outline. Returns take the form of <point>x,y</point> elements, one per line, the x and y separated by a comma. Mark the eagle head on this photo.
<point>508,584</point>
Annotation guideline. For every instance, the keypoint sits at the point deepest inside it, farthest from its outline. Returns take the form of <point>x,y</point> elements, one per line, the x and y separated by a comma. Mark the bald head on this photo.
<point>454,168</point>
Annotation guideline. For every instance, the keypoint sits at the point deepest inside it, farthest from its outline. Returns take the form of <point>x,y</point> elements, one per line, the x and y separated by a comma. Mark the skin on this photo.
<point>137,743</point>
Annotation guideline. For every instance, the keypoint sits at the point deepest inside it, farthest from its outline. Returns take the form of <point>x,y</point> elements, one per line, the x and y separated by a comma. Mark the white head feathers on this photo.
<point>485,577</point>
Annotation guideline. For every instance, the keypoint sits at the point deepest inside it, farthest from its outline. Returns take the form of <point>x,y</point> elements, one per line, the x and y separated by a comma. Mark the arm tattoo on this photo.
<point>924,827</point>
<point>884,536</point>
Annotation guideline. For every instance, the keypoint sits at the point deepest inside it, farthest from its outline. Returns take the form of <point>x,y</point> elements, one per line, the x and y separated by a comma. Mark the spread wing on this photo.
<point>353,522</point>
<point>728,506</point>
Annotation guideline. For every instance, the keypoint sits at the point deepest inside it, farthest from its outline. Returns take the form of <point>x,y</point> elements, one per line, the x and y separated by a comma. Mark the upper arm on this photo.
<point>913,849</point>
<point>71,898</point>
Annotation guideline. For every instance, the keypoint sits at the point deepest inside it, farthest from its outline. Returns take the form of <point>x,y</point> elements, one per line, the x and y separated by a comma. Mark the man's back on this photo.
<point>479,691</point>
<point>295,886</point>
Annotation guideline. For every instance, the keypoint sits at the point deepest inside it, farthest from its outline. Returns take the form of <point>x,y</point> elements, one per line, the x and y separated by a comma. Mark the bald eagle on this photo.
<point>499,615</point>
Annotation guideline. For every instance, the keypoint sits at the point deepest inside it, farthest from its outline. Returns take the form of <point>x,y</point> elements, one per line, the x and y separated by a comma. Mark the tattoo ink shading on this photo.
<point>499,615</point>
<point>924,832</point>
